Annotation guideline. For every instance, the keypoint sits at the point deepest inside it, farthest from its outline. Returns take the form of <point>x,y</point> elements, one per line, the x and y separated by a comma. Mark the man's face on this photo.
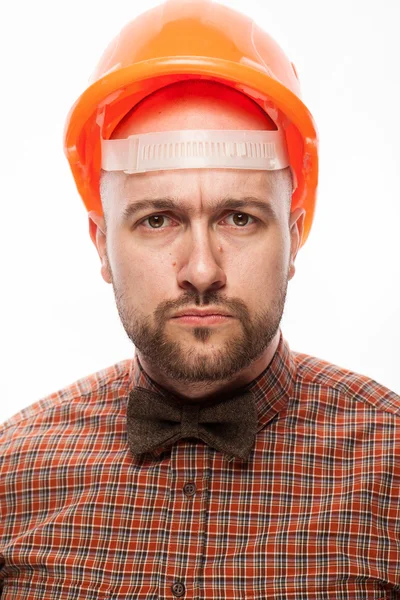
<point>187,241</point>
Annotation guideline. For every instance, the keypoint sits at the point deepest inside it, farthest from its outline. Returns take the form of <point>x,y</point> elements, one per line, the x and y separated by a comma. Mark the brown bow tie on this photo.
<point>154,421</point>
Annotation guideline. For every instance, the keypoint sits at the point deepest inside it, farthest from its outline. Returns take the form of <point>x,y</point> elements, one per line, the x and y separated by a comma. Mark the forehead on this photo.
<point>192,186</point>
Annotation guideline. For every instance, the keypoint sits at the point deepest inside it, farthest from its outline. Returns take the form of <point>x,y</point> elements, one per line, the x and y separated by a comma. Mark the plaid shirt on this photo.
<point>313,514</point>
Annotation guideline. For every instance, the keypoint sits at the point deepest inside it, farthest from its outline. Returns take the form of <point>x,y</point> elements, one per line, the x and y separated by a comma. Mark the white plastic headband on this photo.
<point>201,149</point>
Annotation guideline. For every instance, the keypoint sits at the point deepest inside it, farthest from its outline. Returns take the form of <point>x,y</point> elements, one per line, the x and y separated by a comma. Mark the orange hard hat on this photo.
<point>191,39</point>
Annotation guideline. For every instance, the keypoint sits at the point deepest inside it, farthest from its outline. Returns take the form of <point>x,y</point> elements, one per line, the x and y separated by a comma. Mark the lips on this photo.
<point>196,312</point>
<point>197,317</point>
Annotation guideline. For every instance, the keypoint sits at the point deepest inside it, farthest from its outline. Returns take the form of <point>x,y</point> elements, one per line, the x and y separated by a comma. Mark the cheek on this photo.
<point>260,272</point>
<point>145,277</point>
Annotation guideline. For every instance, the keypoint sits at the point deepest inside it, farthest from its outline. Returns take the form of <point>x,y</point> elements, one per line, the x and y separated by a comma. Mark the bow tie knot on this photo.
<point>155,421</point>
<point>190,420</point>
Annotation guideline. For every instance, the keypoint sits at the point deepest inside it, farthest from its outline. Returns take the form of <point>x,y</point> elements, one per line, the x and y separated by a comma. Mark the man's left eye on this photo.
<point>240,219</point>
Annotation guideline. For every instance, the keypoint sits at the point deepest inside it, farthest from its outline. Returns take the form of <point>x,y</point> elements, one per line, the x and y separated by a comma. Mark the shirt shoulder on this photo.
<point>353,388</point>
<point>97,392</point>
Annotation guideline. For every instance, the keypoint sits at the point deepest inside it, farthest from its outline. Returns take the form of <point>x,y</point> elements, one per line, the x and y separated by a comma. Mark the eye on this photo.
<point>237,220</point>
<point>156,222</point>
<point>240,219</point>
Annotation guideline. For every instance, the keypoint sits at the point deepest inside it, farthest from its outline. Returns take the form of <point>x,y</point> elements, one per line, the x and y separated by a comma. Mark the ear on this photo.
<point>97,231</point>
<point>296,225</point>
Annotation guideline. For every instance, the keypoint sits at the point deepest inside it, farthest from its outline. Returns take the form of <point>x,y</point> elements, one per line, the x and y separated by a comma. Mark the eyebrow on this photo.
<point>224,204</point>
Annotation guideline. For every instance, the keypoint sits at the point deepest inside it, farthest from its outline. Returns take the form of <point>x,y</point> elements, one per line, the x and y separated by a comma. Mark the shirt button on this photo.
<point>189,489</point>
<point>178,589</point>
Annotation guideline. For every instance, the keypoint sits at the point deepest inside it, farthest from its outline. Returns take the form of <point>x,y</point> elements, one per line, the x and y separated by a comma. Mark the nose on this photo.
<point>201,268</point>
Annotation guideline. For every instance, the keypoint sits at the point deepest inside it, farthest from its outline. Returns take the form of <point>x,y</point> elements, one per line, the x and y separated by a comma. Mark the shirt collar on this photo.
<point>272,388</point>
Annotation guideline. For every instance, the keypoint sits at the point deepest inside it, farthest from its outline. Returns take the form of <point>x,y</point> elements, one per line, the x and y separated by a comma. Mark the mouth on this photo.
<point>205,320</point>
<point>198,317</point>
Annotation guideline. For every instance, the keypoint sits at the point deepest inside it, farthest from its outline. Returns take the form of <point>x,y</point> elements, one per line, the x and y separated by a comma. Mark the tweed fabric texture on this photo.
<point>155,420</point>
<point>312,514</point>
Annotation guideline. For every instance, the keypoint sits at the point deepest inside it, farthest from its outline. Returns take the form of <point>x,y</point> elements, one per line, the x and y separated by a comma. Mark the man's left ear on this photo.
<point>296,226</point>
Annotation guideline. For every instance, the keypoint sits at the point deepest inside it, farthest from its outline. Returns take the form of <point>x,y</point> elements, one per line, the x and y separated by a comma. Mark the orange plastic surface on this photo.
<point>184,39</point>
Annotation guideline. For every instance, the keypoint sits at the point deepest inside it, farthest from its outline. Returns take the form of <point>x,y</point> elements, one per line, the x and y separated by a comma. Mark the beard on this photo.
<point>192,364</point>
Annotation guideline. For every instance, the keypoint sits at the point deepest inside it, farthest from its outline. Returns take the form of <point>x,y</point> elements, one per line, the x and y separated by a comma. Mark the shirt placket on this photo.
<point>186,519</point>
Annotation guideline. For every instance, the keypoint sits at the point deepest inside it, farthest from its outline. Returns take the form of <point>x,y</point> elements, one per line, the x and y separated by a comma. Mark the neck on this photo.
<point>193,391</point>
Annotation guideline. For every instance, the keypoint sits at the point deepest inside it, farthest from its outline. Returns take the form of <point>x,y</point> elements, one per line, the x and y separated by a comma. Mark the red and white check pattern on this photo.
<point>313,514</point>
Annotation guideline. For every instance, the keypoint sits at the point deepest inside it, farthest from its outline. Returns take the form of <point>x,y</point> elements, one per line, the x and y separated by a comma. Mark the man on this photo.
<point>216,463</point>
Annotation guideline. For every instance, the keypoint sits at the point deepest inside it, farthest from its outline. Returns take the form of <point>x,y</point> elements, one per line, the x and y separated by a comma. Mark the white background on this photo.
<point>58,317</point>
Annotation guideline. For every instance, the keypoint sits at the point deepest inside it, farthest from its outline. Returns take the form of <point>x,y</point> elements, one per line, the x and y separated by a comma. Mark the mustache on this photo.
<point>191,297</point>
